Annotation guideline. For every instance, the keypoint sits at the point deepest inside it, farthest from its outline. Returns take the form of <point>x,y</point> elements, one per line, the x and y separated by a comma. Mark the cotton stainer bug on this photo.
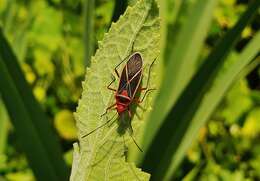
<point>129,88</point>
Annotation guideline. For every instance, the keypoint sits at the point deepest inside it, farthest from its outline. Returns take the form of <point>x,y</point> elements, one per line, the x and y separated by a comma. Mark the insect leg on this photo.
<point>131,131</point>
<point>129,113</point>
<point>110,88</point>
<point>137,101</point>
<point>145,94</point>
<point>140,149</point>
<point>110,107</point>
<point>149,73</point>
<point>125,147</point>
<point>137,115</point>
<point>131,135</point>
<point>147,84</point>
<point>112,118</point>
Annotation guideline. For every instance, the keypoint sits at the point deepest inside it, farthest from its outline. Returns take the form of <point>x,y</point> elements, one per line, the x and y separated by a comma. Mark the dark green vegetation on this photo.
<point>210,87</point>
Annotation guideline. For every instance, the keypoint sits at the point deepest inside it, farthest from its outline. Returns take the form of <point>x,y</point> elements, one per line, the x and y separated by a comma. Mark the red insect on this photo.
<point>129,88</point>
<point>129,85</point>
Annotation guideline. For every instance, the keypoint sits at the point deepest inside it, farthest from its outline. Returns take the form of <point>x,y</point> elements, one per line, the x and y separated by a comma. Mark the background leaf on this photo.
<point>89,15</point>
<point>197,102</point>
<point>3,128</point>
<point>181,64</point>
<point>101,154</point>
<point>31,125</point>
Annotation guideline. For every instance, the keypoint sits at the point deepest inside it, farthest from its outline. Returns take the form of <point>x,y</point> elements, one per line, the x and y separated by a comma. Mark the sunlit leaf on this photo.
<point>101,154</point>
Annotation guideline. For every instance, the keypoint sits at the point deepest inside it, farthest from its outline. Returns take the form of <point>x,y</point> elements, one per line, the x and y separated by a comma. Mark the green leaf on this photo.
<point>3,127</point>
<point>89,17</point>
<point>31,125</point>
<point>101,154</point>
<point>198,101</point>
<point>178,16</point>
<point>183,57</point>
<point>181,63</point>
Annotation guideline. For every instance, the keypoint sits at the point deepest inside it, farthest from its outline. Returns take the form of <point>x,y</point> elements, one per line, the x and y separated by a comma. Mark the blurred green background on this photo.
<point>48,36</point>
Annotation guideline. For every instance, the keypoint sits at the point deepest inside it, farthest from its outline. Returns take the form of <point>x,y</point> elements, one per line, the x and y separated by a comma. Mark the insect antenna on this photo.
<point>100,127</point>
<point>136,143</point>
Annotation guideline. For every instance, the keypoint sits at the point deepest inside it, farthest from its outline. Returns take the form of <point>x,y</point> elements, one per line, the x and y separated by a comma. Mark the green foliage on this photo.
<point>51,51</point>
<point>184,58</point>
<point>3,129</point>
<point>65,124</point>
<point>196,102</point>
<point>28,119</point>
<point>101,154</point>
<point>89,7</point>
<point>209,154</point>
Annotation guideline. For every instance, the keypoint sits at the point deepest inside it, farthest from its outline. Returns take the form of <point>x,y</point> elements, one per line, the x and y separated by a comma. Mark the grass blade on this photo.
<point>214,96</point>
<point>198,101</point>
<point>177,19</point>
<point>3,127</point>
<point>88,36</point>
<point>183,55</point>
<point>31,124</point>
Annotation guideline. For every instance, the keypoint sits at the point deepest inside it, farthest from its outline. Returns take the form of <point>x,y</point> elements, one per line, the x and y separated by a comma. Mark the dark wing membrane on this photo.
<point>124,85</point>
<point>131,75</point>
<point>134,65</point>
<point>123,81</point>
<point>135,82</point>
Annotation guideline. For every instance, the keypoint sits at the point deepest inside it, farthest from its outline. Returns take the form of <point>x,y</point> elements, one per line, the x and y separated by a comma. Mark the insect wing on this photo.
<point>123,81</point>
<point>131,75</point>
<point>134,65</point>
<point>134,72</point>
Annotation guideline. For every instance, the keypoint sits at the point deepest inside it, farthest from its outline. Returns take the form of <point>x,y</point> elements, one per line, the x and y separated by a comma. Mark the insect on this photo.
<point>129,88</point>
